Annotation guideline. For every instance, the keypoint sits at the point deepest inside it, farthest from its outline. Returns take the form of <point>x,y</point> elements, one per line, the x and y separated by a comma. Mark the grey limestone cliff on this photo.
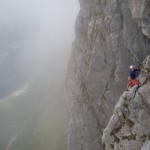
<point>129,126</point>
<point>110,35</point>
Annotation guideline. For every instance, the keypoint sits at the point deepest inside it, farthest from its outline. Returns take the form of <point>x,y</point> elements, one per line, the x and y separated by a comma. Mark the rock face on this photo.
<point>129,126</point>
<point>110,35</point>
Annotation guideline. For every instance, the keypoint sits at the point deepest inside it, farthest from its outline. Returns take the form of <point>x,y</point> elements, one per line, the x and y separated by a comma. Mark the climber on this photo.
<point>132,77</point>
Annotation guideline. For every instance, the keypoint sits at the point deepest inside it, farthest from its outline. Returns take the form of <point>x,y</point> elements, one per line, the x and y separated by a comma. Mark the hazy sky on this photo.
<point>35,44</point>
<point>48,22</point>
<point>35,34</point>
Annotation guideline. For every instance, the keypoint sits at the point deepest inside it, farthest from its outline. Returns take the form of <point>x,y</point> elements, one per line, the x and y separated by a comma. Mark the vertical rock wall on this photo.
<point>110,35</point>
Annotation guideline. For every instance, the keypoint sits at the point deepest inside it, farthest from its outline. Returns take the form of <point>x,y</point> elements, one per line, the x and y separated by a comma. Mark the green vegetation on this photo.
<point>148,135</point>
<point>130,123</point>
<point>115,130</point>
<point>116,139</point>
<point>125,105</point>
<point>129,137</point>
<point>103,146</point>
<point>112,146</point>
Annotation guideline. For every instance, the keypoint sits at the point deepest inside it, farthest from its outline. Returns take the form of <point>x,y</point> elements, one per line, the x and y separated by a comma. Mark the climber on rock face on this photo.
<point>132,77</point>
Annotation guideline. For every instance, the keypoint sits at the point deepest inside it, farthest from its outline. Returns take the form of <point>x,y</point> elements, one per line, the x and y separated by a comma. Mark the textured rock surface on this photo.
<point>141,13</point>
<point>129,126</point>
<point>146,146</point>
<point>110,35</point>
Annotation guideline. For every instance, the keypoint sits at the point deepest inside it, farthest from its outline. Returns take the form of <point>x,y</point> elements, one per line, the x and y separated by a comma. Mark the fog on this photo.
<point>35,45</point>
<point>39,32</point>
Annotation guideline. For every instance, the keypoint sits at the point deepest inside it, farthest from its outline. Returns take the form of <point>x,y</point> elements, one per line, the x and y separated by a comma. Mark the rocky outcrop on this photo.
<point>141,13</point>
<point>110,35</point>
<point>129,126</point>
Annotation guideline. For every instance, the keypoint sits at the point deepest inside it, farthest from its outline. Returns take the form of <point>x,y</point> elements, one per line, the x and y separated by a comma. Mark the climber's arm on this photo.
<point>139,70</point>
